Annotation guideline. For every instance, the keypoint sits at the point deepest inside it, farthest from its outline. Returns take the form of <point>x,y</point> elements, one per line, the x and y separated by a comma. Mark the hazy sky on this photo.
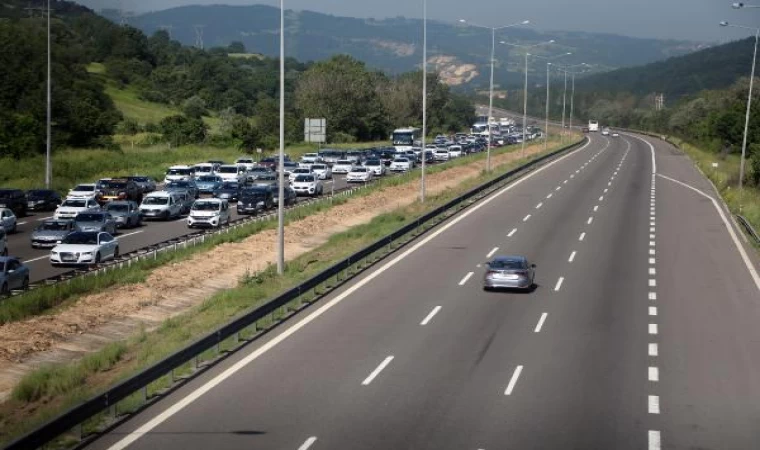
<point>677,19</point>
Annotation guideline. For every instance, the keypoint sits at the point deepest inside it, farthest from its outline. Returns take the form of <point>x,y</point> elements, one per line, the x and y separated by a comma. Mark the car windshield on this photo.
<point>156,201</point>
<point>254,193</point>
<point>90,218</point>
<point>118,207</point>
<point>114,184</point>
<point>343,162</point>
<point>204,168</point>
<point>372,162</point>
<point>139,179</point>
<point>260,169</point>
<point>84,188</point>
<point>178,184</point>
<point>507,264</point>
<point>403,160</point>
<point>208,178</point>
<point>54,226</point>
<point>360,169</point>
<point>229,185</point>
<point>305,178</point>
<point>178,172</point>
<point>302,170</point>
<point>227,169</point>
<point>81,239</point>
<point>74,203</point>
<point>39,193</point>
<point>206,206</point>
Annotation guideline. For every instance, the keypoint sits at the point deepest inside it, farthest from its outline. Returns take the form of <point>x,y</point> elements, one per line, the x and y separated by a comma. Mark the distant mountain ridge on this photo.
<point>393,45</point>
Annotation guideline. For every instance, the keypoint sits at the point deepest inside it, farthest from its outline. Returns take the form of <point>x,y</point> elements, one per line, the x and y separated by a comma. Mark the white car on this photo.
<point>323,171</point>
<point>299,171</point>
<point>210,212</point>
<point>306,164</point>
<point>7,220</point>
<point>84,248</point>
<point>202,169</point>
<point>401,165</point>
<point>455,151</point>
<point>311,158</point>
<point>231,172</point>
<point>307,185</point>
<point>441,154</point>
<point>359,175</point>
<point>606,132</point>
<point>246,163</point>
<point>376,166</point>
<point>615,134</point>
<point>179,173</point>
<point>343,166</point>
<point>86,190</point>
<point>73,206</point>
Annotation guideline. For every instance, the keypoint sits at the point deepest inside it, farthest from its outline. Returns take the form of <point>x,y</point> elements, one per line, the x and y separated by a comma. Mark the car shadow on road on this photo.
<point>530,290</point>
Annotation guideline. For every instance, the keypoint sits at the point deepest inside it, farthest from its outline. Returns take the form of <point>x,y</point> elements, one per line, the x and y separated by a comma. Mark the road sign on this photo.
<point>315,130</point>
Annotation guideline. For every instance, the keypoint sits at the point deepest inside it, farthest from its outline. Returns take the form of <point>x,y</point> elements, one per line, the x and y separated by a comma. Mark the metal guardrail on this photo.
<point>750,229</point>
<point>75,417</point>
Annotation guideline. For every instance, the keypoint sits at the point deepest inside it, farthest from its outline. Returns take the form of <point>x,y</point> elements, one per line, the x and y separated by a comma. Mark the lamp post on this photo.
<point>281,165</point>
<point>566,70</point>
<point>749,105</point>
<point>48,143</point>
<point>548,65</point>
<point>525,88</point>
<point>424,98</point>
<point>490,89</point>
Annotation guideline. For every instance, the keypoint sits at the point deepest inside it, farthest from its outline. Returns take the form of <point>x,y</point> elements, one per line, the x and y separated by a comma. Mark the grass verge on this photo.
<point>38,398</point>
<point>726,179</point>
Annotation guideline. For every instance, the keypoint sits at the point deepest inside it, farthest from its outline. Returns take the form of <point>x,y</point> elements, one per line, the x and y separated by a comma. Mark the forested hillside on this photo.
<point>219,96</point>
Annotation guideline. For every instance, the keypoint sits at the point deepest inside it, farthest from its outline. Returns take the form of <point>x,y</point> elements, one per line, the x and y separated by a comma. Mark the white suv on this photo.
<point>209,212</point>
<point>307,185</point>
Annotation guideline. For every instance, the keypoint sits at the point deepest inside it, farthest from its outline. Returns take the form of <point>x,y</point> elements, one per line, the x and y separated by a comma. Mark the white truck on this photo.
<point>593,125</point>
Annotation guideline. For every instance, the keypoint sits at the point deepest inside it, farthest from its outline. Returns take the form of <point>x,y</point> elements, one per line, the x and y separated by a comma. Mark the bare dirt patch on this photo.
<point>94,320</point>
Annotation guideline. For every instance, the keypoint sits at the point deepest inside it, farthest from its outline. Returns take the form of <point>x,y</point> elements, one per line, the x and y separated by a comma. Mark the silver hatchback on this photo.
<point>509,272</point>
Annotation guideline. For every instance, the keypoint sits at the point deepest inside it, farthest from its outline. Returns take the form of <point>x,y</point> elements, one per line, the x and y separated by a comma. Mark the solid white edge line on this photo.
<point>745,258</point>
<point>377,371</point>
<point>308,443</point>
<point>430,316</point>
<point>197,393</point>
<point>540,323</point>
<point>492,252</point>
<point>466,277</point>
<point>513,380</point>
<point>654,439</point>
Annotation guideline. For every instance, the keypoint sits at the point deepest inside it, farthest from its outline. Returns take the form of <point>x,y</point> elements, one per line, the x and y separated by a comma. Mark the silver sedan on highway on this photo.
<point>509,272</point>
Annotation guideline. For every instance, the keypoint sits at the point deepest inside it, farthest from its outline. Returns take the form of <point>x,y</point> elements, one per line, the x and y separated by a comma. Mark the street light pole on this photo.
<point>424,97</point>
<point>747,113</point>
<point>525,107</point>
<point>546,127</point>
<point>490,88</point>
<point>572,102</point>
<point>564,101</point>
<point>281,174</point>
<point>48,143</point>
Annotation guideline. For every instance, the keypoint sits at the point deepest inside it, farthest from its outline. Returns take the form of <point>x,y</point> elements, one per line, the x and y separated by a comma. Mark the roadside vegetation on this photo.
<point>48,391</point>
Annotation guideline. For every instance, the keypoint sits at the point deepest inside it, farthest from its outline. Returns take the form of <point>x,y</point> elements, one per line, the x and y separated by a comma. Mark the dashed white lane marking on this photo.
<point>466,277</point>
<point>653,349</point>
<point>651,236</point>
<point>492,252</point>
<point>651,229</point>
<point>609,183</point>
<point>513,380</point>
<point>558,188</point>
<point>654,404</point>
<point>128,234</point>
<point>572,175</point>
<point>377,371</point>
<point>430,316</point>
<point>590,219</point>
<point>654,374</point>
<point>559,284</point>
<point>596,208</point>
<point>652,282</point>
<point>652,260</point>
<point>652,328</point>
<point>36,259</point>
<point>651,243</point>
<point>572,257</point>
<point>652,251</point>
<point>526,218</point>
<point>43,218</point>
<point>654,440</point>
<point>606,190</point>
<point>601,198</point>
<point>539,205</point>
<point>540,323</point>
<point>20,223</point>
<point>653,296</point>
<point>652,310</point>
<point>564,182</point>
<point>652,271</point>
<point>308,443</point>
<point>512,233</point>
<point>582,236</point>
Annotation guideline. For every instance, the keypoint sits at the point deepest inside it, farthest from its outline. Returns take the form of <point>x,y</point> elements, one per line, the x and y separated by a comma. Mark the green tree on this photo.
<point>180,130</point>
<point>194,107</point>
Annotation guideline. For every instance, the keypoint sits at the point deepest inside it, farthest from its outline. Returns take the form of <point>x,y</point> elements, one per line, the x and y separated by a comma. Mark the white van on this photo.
<point>231,172</point>
<point>204,169</point>
<point>179,173</point>
<point>246,163</point>
<point>209,212</point>
<point>161,205</point>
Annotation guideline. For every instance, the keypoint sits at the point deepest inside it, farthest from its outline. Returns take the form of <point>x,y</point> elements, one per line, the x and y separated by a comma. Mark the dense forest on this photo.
<point>241,93</point>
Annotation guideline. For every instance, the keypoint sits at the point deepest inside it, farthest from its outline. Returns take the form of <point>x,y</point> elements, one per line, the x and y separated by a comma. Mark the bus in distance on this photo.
<point>593,125</point>
<point>404,139</point>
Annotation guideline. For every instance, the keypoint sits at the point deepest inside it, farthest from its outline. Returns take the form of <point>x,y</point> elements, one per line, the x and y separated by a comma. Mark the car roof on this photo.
<point>507,258</point>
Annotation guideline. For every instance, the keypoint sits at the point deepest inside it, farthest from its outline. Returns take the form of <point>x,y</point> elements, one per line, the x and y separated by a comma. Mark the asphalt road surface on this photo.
<point>641,334</point>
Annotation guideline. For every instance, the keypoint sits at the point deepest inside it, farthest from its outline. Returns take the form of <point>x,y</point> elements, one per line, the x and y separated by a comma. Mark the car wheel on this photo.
<point>25,284</point>
<point>97,259</point>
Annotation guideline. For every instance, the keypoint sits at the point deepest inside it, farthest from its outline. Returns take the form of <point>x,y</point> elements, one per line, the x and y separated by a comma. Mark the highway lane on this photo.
<point>150,233</point>
<point>384,320</point>
<point>641,333</point>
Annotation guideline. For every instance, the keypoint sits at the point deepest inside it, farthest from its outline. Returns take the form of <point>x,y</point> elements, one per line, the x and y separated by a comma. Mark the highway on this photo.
<point>641,334</point>
<point>150,233</point>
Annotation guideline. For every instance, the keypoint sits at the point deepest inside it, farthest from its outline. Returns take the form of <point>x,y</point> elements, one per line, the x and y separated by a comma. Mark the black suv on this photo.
<point>121,189</point>
<point>15,200</point>
<point>42,199</point>
<point>255,199</point>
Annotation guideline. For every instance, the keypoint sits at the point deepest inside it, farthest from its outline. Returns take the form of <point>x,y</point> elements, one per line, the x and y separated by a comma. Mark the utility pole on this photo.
<point>199,35</point>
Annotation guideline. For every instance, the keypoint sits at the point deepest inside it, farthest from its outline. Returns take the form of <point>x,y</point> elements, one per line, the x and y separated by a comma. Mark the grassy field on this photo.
<point>46,392</point>
<point>74,166</point>
<point>726,179</point>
